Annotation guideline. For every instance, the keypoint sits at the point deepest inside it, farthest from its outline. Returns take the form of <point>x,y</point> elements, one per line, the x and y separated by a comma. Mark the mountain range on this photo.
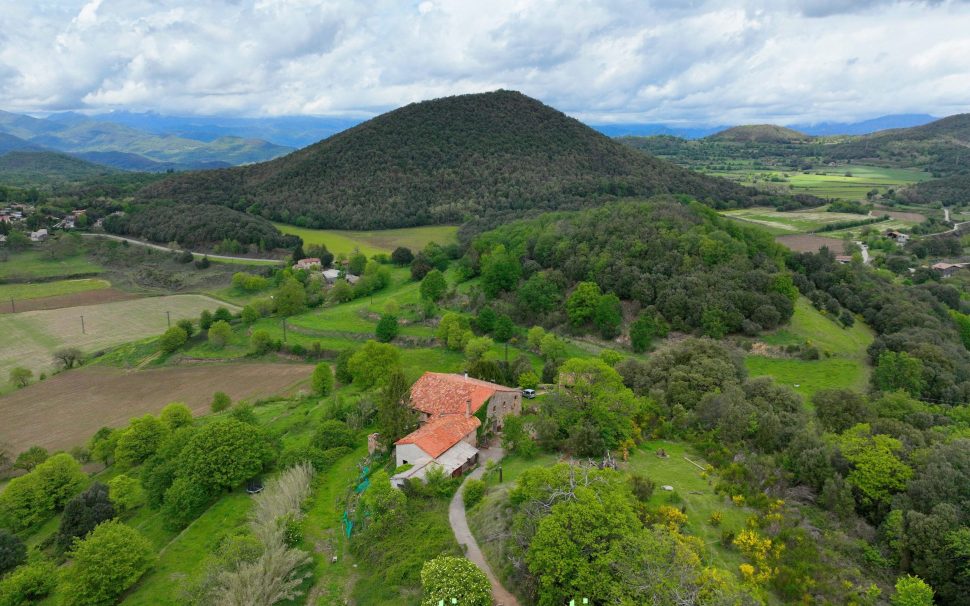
<point>127,148</point>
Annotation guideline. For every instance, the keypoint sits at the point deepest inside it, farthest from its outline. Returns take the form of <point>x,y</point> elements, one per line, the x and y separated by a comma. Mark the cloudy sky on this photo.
<point>675,61</point>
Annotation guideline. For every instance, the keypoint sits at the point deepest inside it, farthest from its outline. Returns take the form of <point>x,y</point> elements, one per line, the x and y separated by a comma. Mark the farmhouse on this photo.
<point>947,269</point>
<point>899,237</point>
<point>309,264</point>
<point>38,236</point>
<point>843,259</point>
<point>452,408</point>
<point>331,276</point>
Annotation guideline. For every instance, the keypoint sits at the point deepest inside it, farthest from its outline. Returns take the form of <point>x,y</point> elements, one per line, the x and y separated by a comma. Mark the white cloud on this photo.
<point>707,61</point>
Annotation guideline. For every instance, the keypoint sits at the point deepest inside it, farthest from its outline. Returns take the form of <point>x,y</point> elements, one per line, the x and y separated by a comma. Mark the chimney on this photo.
<point>468,408</point>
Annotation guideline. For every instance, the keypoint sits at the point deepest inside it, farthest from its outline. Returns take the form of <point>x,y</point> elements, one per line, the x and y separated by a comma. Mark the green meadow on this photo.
<point>846,182</point>
<point>843,362</point>
<point>373,242</point>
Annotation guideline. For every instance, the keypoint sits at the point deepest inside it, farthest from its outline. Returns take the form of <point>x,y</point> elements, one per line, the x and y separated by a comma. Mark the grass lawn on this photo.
<point>34,264</point>
<point>186,553</point>
<point>693,490</point>
<point>373,242</point>
<point>50,289</point>
<point>844,362</point>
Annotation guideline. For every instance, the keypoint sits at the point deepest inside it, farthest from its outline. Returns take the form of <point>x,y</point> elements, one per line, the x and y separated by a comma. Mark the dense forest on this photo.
<point>951,191</point>
<point>487,156</point>
<point>678,262</point>
<point>199,225</point>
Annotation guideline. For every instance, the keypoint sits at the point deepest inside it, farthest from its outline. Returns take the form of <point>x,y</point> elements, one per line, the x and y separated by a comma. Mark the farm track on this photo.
<point>174,250</point>
<point>68,408</point>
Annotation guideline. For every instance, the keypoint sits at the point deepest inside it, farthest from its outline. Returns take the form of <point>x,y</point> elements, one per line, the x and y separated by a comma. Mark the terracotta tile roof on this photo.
<point>437,393</point>
<point>441,433</point>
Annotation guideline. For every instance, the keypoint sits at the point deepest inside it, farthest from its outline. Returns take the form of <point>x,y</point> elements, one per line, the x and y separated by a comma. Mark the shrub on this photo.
<point>105,564</point>
<point>372,363</point>
<point>30,458</point>
<point>448,578</point>
<point>322,379</point>
<point>172,339</point>
<point>261,342</point>
<point>184,501</point>
<point>433,286</point>
<point>343,366</point>
<point>126,492</point>
<point>219,333</point>
<point>220,401</point>
<point>20,376</point>
<point>31,498</point>
<point>13,553</point>
<point>83,513</point>
<point>28,584</point>
<point>139,441</point>
<point>186,325</point>
<point>642,487</point>
<point>222,315</point>
<point>386,328</point>
<point>205,319</point>
<point>528,380</point>
<point>473,492</point>
<point>332,434</point>
<point>249,314</point>
<point>175,415</point>
<point>402,256</point>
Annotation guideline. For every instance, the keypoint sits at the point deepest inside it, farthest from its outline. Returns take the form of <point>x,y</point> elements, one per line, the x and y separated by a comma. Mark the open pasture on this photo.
<point>843,363</point>
<point>373,242</point>
<point>66,409</point>
<point>35,264</point>
<point>845,182</point>
<point>29,338</point>
<point>780,223</point>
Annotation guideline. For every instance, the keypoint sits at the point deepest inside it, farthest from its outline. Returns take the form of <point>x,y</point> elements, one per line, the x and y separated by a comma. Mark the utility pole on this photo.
<point>13,309</point>
<point>82,326</point>
<point>168,317</point>
<point>284,330</point>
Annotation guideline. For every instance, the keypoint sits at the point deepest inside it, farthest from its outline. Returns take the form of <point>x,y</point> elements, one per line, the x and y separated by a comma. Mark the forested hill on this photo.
<point>451,160</point>
<point>682,264</point>
<point>942,146</point>
<point>759,133</point>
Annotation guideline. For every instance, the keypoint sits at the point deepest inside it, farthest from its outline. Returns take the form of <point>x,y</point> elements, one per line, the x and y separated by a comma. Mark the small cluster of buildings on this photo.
<point>70,221</point>
<point>947,269</point>
<point>451,408</point>
<point>330,275</point>
<point>13,214</point>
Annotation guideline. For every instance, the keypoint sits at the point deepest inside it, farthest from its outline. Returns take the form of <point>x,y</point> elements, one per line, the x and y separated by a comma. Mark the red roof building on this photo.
<point>438,393</point>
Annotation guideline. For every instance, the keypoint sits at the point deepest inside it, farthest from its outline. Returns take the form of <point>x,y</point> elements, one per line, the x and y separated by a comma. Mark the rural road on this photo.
<point>865,252</point>
<point>459,524</point>
<point>167,249</point>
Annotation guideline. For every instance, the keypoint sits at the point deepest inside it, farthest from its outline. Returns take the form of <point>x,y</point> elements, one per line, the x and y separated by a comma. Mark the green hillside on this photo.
<point>482,156</point>
<point>32,167</point>
<point>760,133</point>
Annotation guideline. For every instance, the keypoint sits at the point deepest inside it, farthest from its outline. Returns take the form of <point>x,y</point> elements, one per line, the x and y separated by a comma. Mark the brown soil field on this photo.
<point>90,297</point>
<point>899,215</point>
<point>810,243</point>
<point>67,409</point>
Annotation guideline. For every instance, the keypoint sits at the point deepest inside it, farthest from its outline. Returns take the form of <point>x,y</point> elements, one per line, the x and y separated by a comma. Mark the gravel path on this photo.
<point>459,524</point>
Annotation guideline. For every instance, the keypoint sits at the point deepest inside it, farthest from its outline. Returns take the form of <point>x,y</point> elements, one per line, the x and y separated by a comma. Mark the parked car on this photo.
<point>529,393</point>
